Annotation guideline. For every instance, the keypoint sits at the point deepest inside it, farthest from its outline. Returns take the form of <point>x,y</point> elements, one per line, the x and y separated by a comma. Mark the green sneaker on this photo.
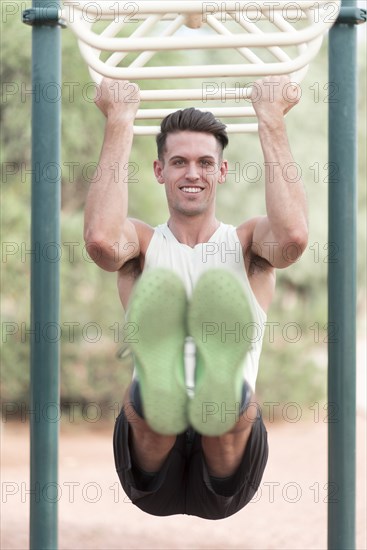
<point>158,308</point>
<point>218,312</point>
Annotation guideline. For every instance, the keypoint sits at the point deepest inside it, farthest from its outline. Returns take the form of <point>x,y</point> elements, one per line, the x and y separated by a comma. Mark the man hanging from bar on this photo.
<point>196,446</point>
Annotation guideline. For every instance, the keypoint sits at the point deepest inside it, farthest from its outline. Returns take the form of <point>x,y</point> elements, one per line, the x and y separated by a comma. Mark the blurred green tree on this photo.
<point>293,365</point>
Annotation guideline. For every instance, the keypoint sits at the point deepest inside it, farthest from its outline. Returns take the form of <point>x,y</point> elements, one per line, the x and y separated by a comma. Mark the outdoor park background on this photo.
<point>292,379</point>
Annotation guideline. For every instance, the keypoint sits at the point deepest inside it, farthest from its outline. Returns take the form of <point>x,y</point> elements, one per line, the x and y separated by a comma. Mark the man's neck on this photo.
<point>193,230</point>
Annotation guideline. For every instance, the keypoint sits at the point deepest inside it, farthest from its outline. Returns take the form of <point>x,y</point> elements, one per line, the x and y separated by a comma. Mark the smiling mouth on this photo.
<point>191,189</point>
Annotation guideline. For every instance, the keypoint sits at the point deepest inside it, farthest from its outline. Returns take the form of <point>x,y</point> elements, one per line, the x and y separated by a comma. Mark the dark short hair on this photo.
<point>191,120</point>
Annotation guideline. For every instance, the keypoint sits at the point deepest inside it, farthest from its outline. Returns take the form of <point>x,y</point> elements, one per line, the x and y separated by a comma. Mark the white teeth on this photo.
<point>191,189</point>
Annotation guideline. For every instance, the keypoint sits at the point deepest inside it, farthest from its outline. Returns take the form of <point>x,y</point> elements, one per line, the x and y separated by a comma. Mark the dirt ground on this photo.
<point>289,511</point>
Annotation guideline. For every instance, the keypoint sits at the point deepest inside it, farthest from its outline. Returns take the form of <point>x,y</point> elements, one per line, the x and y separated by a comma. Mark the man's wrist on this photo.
<point>271,123</point>
<point>120,124</point>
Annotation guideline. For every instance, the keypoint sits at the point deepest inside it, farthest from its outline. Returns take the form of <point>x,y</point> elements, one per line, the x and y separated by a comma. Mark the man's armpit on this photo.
<point>257,264</point>
<point>131,268</point>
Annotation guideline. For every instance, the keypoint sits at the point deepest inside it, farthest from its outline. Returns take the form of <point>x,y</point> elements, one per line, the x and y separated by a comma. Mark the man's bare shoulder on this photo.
<point>253,260</point>
<point>129,273</point>
<point>144,232</point>
<point>134,267</point>
<point>260,272</point>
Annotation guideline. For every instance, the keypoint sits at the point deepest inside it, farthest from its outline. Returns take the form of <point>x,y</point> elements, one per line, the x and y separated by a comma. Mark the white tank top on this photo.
<point>223,250</point>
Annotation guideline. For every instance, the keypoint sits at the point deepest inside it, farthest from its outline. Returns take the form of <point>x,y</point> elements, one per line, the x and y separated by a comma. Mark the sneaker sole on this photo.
<point>218,303</point>
<point>158,309</point>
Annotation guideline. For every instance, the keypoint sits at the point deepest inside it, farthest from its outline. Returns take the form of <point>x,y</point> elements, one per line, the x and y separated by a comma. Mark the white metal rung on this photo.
<point>258,38</point>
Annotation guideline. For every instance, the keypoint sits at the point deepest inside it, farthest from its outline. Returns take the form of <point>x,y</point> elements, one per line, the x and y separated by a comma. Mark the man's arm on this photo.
<point>281,236</point>
<point>111,239</point>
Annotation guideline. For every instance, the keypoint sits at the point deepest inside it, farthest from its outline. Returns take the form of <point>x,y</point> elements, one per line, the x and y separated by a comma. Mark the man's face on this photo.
<point>190,171</point>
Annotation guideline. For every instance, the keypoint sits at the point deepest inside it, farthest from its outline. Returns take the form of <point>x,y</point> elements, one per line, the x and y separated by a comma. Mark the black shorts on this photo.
<point>183,485</point>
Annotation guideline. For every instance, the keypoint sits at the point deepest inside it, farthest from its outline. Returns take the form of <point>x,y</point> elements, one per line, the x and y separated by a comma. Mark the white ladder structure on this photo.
<point>260,38</point>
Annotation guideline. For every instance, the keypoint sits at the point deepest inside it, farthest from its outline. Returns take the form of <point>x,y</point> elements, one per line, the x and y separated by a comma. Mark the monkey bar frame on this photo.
<point>46,126</point>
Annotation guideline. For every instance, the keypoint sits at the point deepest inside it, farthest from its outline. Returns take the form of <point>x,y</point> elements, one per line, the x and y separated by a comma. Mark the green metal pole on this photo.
<point>342,281</point>
<point>45,239</point>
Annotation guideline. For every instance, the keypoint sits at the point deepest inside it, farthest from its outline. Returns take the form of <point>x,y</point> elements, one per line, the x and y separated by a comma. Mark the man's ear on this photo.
<point>223,171</point>
<point>158,171</point>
